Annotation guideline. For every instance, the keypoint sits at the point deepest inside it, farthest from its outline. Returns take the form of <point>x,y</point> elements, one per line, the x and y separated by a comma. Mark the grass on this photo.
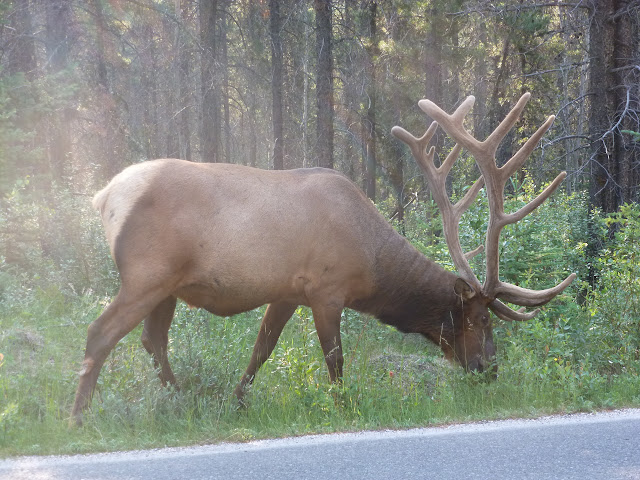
<point>391,380</point>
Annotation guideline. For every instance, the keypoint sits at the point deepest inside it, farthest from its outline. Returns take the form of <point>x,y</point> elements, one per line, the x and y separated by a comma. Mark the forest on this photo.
<point>88,87</point>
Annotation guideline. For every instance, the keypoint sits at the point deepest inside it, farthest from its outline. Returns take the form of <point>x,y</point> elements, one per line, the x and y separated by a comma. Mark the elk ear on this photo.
<point>463,289</point>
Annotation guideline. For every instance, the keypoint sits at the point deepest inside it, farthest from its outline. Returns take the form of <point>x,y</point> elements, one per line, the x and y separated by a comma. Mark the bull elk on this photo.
<point>230,238</point>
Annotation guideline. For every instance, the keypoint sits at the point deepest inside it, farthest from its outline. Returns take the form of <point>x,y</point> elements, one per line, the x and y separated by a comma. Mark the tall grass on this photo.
<point>392,381</point>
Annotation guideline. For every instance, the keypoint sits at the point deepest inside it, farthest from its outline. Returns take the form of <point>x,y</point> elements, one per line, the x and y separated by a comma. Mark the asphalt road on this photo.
<point>584,446</point>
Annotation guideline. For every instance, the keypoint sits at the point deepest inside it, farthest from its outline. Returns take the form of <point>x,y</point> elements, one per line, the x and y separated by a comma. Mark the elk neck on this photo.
<point>412,293</point>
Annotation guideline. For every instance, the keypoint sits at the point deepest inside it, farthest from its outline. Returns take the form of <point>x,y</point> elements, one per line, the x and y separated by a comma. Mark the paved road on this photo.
<point>584,446</point>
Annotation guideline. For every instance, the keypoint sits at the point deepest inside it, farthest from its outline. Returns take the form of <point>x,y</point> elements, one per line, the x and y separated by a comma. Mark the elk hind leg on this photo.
<point>120,317</point>
<point>274,320</point>
<point>155,338</point>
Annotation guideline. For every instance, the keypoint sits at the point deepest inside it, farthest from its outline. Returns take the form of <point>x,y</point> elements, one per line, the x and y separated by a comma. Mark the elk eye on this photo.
<point>485,320</point>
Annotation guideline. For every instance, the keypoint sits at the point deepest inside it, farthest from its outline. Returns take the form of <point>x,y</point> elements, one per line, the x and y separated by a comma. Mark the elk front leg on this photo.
<point>327,317</point>
<point>155,338</point>
<point>119,318</point>
<point>274,320</point>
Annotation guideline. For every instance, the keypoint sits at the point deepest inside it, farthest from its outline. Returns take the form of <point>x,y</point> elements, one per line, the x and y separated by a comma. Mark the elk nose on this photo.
<point>484,365</point>
<point>492,369</point>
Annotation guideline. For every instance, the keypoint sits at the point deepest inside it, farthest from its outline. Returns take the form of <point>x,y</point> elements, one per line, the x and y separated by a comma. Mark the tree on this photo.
<point>614,39</point>
<point>183,11</point>
<point>22,50</point>
<point>275,27</point>
<point>210,128</point>
<point>324,83</point>
<point>225,80</point>
<point>224,68</point>
<point>369,124</point>
<point>58,44</point>
<point>109,141</point>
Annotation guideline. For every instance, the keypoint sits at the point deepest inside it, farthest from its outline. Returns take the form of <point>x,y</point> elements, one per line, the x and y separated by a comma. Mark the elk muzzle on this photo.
<point>478,354</point>
<point>486,366</point>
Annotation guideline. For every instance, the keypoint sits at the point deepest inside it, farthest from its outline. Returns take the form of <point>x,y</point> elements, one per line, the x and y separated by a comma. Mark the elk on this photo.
<point>231,238</point>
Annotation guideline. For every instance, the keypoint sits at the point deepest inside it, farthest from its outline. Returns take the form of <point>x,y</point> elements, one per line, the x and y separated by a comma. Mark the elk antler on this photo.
<point>451,214</point>
<point>495,179</point>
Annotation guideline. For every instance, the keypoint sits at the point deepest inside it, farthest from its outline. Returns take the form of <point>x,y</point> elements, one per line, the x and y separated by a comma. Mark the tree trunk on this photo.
<point>101,67</point>
<point>184,132</point>
<point>210,124</point>
<point>22,50</point>
<point>306,60</point>
<point>224,66</point>
<point>480,121</point>
<point>433,58</point>
<point>110,142</point>
<point>170,85</point>
<point>324,83</point>
<point>150,96</point>
<point>370,120</point>
<point>613,47</point>
<point>58,17</point>
<point>254,18</point>
<point>613,80</point>
<point>433,76</point>
<point>275,30</point>
<point>350,79</point>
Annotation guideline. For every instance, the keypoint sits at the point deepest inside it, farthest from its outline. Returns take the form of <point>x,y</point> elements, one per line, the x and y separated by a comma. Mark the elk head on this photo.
<point>474,339</point>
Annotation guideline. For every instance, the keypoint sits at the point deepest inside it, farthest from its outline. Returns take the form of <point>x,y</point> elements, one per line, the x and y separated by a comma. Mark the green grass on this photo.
<point>391,380</point>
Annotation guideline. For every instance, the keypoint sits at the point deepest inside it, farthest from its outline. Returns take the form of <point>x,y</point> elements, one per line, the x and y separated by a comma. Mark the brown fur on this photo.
<point>229,238</point>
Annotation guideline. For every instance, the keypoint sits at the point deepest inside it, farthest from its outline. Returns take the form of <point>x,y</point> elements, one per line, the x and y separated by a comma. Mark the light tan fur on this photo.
<point>226,229</point>
<point>116,201</point>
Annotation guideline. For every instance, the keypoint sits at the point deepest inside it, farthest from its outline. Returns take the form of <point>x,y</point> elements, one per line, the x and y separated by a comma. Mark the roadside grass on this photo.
<point>391,380</point>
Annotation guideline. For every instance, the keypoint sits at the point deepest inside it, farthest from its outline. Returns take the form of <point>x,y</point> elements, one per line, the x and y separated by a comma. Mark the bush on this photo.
<point>614,305</point>
<point>52,240</point>
<point>537,252</point>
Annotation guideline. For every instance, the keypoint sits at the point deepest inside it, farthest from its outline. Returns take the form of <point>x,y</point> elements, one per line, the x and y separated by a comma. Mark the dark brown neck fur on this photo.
<point>414,294</point>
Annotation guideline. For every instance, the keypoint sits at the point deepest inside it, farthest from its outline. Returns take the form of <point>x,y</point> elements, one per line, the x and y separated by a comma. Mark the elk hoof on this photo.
<point>76,420</point>
<point>239,392</point>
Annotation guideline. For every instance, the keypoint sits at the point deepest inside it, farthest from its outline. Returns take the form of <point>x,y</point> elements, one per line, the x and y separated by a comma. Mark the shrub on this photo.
<point>57,240</point>
<point>614,305</point>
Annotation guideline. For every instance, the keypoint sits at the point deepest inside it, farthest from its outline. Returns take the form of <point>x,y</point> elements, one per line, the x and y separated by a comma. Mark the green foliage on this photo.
<point>56,240</point>
<point>634,135</point>
<point>537,252</point>
<point>16,134</point>
<point>540,250</point>
<point>27,107</point>
<point>614,305</point>
<point>529,22</point>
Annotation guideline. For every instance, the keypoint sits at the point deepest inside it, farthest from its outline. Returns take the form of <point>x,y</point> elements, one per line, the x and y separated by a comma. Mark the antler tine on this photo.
<point>452,124</point>
<point>508,314</point>
<point>417,145</point>
<point>469,255</point>
<point>493,285</point>
<point>531,298</point>
<point>523,153</point>
<point>436,178</point>
<point>507,124</point>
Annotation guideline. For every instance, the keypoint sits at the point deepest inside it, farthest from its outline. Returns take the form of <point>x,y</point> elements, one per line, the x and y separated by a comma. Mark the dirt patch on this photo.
<point>24,339</point>
<point>411,369</point>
